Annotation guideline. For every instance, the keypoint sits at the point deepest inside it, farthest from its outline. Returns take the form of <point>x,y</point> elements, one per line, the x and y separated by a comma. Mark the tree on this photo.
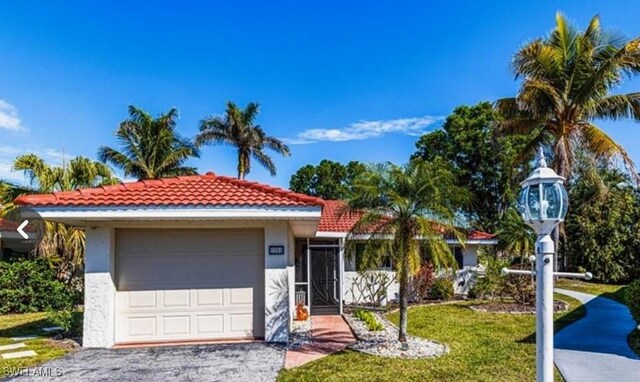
<point>329,180</point>
<point>150,148</point>
<point>515,237</point>
<point>481,160</point>
<point>567,80</point>
<point>603,224</point>
<point>237,128</point>
<point>404,209</point>
<point>62,245</point>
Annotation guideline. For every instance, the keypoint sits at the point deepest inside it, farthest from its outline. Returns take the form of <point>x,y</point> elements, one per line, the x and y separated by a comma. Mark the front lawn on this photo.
<point>17,325</point>
<point>483,347</point>
<point>614,292</point>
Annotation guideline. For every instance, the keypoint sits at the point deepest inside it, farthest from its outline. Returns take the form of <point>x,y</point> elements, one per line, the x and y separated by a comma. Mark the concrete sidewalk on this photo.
<point>595,347</point>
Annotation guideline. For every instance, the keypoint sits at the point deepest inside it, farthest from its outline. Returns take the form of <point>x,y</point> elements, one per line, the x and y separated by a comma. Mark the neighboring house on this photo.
<point>206,257</point>
<point>12,245</point>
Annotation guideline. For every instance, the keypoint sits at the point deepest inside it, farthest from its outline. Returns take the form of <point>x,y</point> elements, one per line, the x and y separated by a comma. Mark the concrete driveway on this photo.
<point>247,362</point>
<point>595,348</point>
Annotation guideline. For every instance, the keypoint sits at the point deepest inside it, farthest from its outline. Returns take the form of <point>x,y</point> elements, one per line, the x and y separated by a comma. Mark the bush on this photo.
<point>632,298</point>
<point>369,319</point>
<point>421,283</point>
<point>32,286</point>
<point>490,284</point>
<point>371,287</point>
<point>70,320</point>
<point>521,288</point>
<point>442,289</point>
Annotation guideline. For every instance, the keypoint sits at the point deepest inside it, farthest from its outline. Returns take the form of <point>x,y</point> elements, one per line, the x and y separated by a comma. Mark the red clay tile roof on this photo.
<point>336,218</point>
<point>196,190</point>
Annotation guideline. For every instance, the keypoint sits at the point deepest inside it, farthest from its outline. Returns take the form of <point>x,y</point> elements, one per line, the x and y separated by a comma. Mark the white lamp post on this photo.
<point>543,204</point>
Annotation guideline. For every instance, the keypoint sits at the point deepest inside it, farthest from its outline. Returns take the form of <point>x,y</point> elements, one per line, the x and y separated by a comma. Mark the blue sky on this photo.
<point>350,81</point>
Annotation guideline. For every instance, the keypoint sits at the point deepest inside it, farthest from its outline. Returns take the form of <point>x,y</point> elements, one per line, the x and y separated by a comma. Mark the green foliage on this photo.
<point>237,128</point>
<point>442,289</point>
<point>329,180</point>
<point>521,288</point>
<point>32,286</point>
<point>422,282</point>
<point>150,148</point>
<point>70,320</point>
<point>369,319</point>
<point>632,299</point>
<point>567,78</point>
<point>515,237</point>
<point>602,225</point>
<point>490,284</point>
<point>62,245</point>
<point>481,160</point>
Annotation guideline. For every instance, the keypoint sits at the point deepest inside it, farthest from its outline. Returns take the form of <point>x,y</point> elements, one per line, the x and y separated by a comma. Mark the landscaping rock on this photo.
<point>300,334</point>
<point>385,342</point>
<point>19,354</point>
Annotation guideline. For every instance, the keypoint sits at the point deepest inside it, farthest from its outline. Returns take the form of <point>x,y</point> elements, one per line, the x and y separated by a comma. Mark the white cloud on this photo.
<point>8,154</point>
<point>367,129</point>
<point>9,118</point>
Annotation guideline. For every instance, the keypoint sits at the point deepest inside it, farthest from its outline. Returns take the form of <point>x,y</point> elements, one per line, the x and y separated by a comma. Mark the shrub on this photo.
<point>441,289</point>
<point>520,288</point>
<point>490,284</point>
<point>421,283</point>
<point>70,320</point>
<point>632,298</point>
<point>32,286</point>
<point>369,319</point>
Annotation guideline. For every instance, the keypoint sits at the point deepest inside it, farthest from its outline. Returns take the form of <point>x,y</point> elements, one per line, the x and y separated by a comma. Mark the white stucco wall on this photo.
<point>276,278</point>
<point>465,277</point>
<point>99,294</point>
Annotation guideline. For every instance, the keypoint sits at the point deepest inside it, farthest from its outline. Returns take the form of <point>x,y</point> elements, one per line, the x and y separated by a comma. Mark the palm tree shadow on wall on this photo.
<point>277,314</point>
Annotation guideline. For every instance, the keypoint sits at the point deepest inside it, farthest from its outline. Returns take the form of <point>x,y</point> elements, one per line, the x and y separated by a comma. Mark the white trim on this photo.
<point>448,241</point>
<point>177,213</point>
<point>338,235</point>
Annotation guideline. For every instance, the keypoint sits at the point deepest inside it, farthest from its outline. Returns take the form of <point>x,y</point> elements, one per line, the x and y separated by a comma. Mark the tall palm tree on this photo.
<point>405,210</point>
<point>62,245</point>
<point>237,128</point>
<point>151,148</point>
<point>567,78</point>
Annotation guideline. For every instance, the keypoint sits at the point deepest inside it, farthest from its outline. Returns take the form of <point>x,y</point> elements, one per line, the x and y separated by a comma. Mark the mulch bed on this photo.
<point>513,308</point>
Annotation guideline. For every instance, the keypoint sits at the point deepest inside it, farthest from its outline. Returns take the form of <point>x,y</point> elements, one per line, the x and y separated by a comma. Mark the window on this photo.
<point>386,263</point>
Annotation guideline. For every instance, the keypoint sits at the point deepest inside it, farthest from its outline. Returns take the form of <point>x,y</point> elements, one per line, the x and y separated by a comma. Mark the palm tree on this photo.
<point>150,148</point>
<point>62,245</point>
<point>237,128</point>
<point>405,210</point>
<point>515,236</point>
<point>567,80</point>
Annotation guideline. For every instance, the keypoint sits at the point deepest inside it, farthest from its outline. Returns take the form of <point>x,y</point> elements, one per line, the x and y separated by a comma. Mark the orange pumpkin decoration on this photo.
<point>301,313</point>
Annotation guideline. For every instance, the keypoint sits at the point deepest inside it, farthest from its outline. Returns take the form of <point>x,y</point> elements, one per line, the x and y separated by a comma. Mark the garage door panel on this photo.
<point>204,284</point>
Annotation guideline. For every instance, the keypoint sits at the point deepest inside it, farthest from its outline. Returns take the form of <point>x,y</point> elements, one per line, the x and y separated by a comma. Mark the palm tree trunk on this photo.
<point>402,332</point>
<point>241,165</point>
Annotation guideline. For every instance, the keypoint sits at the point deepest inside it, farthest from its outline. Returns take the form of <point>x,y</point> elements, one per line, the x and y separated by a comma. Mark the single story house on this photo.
<point>207,257</point>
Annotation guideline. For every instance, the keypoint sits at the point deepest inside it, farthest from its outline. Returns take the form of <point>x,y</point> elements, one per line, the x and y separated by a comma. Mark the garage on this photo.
<point>189,285</point>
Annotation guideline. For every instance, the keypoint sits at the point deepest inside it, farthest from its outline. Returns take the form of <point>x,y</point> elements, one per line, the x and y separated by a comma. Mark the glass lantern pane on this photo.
<point>533,202</point>
<point>565,200</point>
<point>521,206</point>
<point>550,201</point>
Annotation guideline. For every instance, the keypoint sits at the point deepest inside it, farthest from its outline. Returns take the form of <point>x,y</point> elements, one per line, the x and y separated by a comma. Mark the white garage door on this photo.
<point>189,284</point>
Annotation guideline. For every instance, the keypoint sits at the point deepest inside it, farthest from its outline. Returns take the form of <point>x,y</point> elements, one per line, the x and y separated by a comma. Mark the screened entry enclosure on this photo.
<point>318,275</point>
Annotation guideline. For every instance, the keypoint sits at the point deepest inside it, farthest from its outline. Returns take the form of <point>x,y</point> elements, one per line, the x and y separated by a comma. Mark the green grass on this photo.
<point>483,347</point>
<point>614,292</point>
<point>14,325</point>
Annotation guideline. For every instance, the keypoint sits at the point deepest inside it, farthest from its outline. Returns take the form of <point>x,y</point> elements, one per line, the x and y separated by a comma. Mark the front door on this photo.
<point>325,281</point>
